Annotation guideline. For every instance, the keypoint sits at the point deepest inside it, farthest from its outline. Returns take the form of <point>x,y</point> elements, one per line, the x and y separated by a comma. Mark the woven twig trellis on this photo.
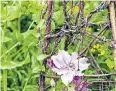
<point>104,82</point>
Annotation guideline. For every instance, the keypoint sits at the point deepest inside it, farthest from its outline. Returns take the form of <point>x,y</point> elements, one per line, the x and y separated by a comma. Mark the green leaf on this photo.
<point>71,88</point>
<point>36,68</point>
<point>62,43</point>
<point>41,23</point>
<point>12,64</point>
<point>6,39</point>
<point>110,63</point>
<point>31,88</point>
<point>42,57</point>
<point>35,17</point>
<point>52,25</point>
<point>52,89</point>
<point>10,13</point>
<point>58,18</point>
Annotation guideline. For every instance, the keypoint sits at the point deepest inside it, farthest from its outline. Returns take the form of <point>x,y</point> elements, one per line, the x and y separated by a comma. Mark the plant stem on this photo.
<point>26,83</point>
<point>5,70</point>
<point>18,43</point>
<point>30,25</point>
<point>18,21</point>
<point>5,79</point>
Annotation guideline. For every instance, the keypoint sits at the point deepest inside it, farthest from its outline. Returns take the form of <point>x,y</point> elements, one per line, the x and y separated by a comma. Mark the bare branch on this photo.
<point>48,28</point>
<point>42,81</point>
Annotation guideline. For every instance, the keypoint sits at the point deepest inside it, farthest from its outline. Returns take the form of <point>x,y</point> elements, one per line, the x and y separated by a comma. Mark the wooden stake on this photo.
<point>48,25</point>
<point>42,81</point>
<point>113,26</point>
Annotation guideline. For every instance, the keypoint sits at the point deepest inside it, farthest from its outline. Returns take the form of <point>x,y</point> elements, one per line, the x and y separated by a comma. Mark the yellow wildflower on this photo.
<point>102,52</point>
<point>94,46</point>
<point>92,50</point>
<point>75,9</point>
<point>97,46</point>
<point>89,29</point>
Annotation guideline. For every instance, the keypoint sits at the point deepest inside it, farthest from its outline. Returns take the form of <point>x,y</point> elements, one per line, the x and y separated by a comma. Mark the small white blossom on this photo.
<point>68,66</point>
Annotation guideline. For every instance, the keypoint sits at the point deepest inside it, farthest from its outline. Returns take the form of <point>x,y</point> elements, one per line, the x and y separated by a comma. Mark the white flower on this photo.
<point>68,66</point>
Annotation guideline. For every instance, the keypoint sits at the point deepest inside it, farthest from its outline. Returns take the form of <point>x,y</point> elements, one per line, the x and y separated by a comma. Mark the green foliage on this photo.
<point>58,18</point>
<point>10,64</point>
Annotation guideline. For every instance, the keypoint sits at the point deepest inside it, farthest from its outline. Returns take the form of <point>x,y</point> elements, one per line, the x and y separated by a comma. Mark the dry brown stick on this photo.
<point>48,28</point>
<point>46,42</point>
<point>98,37</point>
<point>78,14</point>
<point>113,26</point>
<point>96,75</point>
<point>64,10</point>
<point>98,9</point>
<point>42,81</point>
<point>95,62</point>
<point>82,11</point>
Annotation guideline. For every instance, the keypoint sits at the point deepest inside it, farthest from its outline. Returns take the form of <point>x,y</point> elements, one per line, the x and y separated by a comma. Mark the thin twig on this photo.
<point>95,62</point>
<point>96,75</point>
<point>40,40</point>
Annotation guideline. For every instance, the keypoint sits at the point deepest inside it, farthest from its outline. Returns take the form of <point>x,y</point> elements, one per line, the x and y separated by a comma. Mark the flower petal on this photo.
<point>65,56</point>
<point>60,71</point>
<point>56,62</point>
<point>77,80</point>
<point>62,59</point>
<point>78,73</point>
<point>67,78</point>
<point>83,66</point>
<point>84,86</point>
<point>83,60</point>
<point>74,56</point>
<point>50,63</point>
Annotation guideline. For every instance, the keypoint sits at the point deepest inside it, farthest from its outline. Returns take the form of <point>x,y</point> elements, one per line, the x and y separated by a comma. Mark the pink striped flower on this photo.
<point>68,66</point>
